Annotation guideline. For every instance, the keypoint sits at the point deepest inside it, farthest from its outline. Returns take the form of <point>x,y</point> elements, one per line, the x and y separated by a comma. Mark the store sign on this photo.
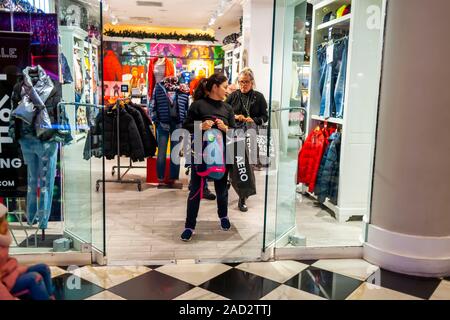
<point>14,57</point>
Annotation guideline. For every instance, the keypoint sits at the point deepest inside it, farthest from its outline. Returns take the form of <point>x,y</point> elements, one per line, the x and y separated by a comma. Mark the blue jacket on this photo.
<point>328,177</point>
<point>160,106</point>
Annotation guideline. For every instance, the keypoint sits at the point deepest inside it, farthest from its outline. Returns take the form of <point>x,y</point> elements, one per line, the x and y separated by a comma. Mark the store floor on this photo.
<point>145,227</point>
<point>280,280</point>
<point>321,229</point>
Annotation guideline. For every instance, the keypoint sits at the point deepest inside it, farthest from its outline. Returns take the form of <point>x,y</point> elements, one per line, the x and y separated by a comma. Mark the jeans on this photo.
<point>334,82</point>
<point>163,140</point>
<point>339,93</point>
<point>36,282</point>
<point>40,158</point>
<point>322,58</point>
<point>193,204</point>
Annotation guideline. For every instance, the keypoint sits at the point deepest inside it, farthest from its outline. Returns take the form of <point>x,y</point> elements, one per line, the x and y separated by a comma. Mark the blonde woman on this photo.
<point>249,106</point>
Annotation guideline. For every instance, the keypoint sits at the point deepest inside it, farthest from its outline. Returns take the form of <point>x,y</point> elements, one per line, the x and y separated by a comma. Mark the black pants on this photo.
<point>193,204</point>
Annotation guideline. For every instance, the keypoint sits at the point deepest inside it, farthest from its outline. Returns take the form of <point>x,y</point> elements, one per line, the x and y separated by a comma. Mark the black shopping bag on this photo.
<point>241,174</point>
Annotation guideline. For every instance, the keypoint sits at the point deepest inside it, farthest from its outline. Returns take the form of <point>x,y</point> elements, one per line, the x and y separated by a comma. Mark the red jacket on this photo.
<point>10,270</point>
<point>170,72</point>
<point>310,156</point>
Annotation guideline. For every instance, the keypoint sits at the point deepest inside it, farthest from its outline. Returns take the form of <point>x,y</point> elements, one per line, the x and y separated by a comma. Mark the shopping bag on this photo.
<point>241,173</point>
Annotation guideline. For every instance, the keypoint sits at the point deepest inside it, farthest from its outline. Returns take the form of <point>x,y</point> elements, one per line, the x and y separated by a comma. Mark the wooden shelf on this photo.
<point>330,120</point>
<point>340,22</point>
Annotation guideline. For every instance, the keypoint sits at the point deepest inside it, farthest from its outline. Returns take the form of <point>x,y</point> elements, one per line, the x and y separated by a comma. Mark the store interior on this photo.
<point>308,65</point>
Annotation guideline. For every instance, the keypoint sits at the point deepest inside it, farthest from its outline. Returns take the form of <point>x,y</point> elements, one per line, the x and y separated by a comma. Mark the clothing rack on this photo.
<point>120,178</point>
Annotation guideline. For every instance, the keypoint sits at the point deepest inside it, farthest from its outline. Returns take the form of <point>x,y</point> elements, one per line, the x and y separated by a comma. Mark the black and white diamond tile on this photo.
<point>281,280</point>
<point>415,286</point>
<point>151,286</point>
<point>323,283</point>
<point>240,285</point>
<point>71,287</point>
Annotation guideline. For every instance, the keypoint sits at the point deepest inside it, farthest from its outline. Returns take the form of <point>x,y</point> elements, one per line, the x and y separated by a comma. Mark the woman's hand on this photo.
<point>248,120</point>
<point>240,118</point>
<point>207,125</point>
<point>221,125</point>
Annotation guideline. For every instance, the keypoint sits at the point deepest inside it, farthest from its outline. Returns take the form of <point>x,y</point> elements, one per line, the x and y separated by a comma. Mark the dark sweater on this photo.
<point>257,106</point>
<point>208,109</point>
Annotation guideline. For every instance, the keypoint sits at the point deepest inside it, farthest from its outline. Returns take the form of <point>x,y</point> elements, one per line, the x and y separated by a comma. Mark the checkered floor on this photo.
<point>286,280</point>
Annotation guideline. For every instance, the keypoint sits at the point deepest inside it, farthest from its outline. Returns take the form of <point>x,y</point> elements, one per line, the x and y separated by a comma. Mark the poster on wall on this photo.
<point>14,57</point>
<point>112,66</point>
<point>44,39</point>
<point>135,53</point>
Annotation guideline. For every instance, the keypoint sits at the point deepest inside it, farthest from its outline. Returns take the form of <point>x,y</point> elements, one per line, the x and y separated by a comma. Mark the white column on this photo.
<point>257,40</point>
<point>409,231</point>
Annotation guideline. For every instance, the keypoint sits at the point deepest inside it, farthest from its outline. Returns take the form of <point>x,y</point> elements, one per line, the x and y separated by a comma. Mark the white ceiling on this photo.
<point>174,13</point>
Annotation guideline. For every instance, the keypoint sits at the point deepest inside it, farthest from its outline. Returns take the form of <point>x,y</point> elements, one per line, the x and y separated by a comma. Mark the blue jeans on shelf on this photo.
<point>35,283</point>
<point>40,158</point>
<point>164,132</point>
<point>334,83</point>
<point>339,93</point>
<point>322,58</point>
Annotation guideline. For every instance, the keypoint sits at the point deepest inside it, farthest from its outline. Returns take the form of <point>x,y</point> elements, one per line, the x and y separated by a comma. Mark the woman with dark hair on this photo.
<point>208,110</point>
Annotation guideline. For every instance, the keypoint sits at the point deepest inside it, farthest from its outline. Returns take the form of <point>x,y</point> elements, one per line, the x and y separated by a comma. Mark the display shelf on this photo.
<point>328,3</point>
<point>340,22</point>
<point>298,53</point>
<point>330,120</point>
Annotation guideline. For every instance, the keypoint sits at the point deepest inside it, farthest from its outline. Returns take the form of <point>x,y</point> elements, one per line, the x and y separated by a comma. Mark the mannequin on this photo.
<point>159,68</point>
<point>39,150</point>
<point>169,108</point>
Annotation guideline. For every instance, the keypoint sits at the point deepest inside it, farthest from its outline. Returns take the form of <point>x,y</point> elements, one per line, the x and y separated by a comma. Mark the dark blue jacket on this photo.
<point>160,106</point>
<point>328,177</point>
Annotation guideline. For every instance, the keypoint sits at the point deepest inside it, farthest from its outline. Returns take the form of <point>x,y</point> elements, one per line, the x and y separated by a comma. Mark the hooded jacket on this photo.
<point>10,270</point>
<point>328,177</point>
<point>100,138</point>
<point>310,157</point>
<point>147,138</point>
<point>52,96</point>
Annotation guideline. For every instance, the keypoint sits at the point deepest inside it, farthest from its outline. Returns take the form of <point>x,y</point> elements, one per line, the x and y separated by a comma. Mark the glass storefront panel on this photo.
<point>324,106</point>
<point>55,44</point>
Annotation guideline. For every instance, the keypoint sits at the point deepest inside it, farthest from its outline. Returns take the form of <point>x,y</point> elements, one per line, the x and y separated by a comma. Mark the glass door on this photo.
<point>287,107</point>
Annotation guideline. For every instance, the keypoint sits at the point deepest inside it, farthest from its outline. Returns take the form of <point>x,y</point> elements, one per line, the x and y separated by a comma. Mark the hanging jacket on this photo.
<point>310,156</point>
<point>144,131</point>
<point>170,72</point>
<point>130,140</point>
<point>328,177</point>
<point>10,270</point>
<point>148,127</point>
<point>160,106</point>
<point>61,128</point>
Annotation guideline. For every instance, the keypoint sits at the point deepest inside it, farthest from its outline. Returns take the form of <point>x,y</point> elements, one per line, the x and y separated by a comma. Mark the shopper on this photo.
<point>210,110</point>
<point>250,109</point>
<point>17,280</point>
